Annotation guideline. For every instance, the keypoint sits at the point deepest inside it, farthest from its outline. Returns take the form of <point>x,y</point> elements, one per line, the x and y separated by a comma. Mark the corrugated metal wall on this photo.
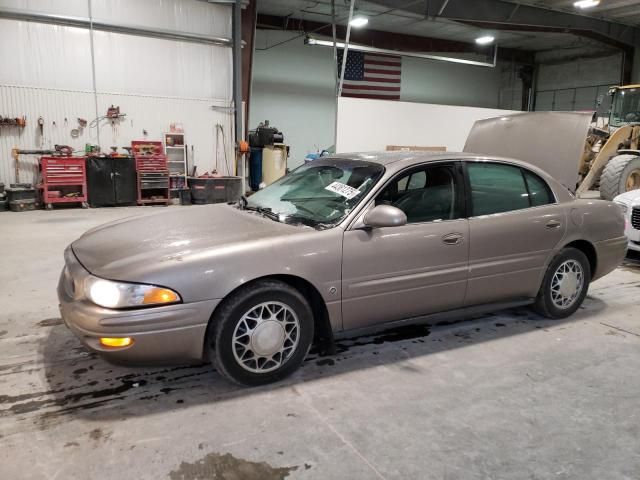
<point>61,109</point>
<point>47,72</point>
<point>579,84</point>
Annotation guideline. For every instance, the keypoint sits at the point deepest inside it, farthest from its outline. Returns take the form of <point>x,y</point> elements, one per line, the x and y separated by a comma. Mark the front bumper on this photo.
<point>168,334</point>
<point>633,234</point>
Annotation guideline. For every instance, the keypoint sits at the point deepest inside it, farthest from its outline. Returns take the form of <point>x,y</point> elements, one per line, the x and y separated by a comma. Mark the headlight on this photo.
<point>623,207</point>
<point>110,294</point>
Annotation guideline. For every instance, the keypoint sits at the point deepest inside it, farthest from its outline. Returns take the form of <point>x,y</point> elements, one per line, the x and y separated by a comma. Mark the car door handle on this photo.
<point>553,224</point>
<point>452,238</point>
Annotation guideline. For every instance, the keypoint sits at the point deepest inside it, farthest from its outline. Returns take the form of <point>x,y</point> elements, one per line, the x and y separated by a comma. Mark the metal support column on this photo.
<point>237,84</point>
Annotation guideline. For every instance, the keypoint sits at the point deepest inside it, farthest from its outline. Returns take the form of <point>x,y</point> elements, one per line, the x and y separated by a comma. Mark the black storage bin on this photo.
<point>20,193</point>
<point>1,187</point>
<point>185,196</point>
<point>22,205</point>
<point>4,205</point>
<point>111,181</point>
<point>215,190</point>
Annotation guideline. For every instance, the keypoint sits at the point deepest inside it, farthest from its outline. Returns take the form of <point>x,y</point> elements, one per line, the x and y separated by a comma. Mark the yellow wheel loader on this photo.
<point>611,156</point>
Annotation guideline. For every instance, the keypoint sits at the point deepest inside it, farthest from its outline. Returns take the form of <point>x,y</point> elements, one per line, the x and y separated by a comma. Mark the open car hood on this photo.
<point>552,141</point>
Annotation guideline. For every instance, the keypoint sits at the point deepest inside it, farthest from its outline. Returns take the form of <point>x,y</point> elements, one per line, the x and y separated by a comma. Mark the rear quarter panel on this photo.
<point>601,223</point>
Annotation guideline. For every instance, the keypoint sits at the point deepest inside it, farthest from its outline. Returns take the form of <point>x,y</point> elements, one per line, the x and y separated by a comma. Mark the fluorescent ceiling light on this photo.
<point>359,21</point>
<point>586,4</point>
<point>383,51</point>
<point>485,40</point>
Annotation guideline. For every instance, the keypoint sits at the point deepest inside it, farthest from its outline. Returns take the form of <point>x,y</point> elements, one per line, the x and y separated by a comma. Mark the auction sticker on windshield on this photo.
<point>341,189</point>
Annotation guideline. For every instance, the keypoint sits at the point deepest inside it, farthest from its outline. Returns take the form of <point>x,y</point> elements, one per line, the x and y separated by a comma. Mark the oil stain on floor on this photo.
<point>50,322</point>
<point>228,467</point>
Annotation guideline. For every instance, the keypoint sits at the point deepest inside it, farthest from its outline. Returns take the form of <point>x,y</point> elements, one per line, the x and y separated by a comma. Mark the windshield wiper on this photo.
<point>307,221</point>
<point>264,211</point>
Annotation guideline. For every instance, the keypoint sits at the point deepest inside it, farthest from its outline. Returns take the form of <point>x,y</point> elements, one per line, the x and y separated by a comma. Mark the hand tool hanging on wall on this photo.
<point>82,123</point>
<point>16,152</point>
<point>13,121</point>
<point>217,142</point>
<point>41,129</point>
<point>113,114</point>
<point>220,129</point>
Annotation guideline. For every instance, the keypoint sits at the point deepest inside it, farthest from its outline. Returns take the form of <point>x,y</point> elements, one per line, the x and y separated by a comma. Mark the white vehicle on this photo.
<point>630,204</point>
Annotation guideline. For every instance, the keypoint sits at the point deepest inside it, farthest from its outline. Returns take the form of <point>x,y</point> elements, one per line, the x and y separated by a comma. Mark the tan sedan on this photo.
<point>341,245</point>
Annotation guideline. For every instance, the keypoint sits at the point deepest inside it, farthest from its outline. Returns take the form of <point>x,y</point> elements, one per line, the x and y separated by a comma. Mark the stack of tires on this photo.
<point>21,197</point>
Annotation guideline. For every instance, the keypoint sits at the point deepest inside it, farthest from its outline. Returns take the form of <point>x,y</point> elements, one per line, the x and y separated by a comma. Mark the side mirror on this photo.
<point>384,216</point>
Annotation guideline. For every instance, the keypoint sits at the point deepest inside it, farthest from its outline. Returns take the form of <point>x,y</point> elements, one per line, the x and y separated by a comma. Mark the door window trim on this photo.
<point>469,200</point>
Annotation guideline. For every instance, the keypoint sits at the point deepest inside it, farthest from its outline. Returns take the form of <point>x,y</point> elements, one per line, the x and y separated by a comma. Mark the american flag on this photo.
<point>370,75</point>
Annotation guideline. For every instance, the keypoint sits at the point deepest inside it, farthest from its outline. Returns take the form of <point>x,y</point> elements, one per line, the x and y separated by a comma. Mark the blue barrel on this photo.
<point>255,169</point>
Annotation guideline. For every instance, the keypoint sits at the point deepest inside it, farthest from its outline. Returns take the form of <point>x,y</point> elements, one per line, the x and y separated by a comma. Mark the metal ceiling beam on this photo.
<point>390,40</point>
<point>499,14</point>
<point>87,23</point>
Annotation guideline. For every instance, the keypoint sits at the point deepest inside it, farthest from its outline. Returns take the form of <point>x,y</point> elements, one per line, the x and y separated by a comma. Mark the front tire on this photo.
<point>261,334</point>
<point>565,284</point>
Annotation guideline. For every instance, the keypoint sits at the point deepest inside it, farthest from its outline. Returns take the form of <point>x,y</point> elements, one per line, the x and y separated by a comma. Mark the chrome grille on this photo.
<point>635,218</point>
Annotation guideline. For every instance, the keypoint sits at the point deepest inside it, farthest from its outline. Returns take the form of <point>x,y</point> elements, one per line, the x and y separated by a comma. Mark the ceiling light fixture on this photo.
<point>359,21</point>
<point>383,51</point>
<point>485,40</point>
<point>586,4</point>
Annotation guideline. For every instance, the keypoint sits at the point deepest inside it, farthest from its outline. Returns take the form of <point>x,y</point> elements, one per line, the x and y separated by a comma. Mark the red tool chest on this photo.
<point>63,180</point>
<point>153,172</point>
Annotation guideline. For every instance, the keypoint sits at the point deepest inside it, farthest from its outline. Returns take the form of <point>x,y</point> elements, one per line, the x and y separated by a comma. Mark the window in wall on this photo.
<point>424,195</point>
<point>496,188</point>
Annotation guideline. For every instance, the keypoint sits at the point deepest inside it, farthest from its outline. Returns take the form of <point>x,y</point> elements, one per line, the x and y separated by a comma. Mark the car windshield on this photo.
<point>319,193</point>
<point>626,107</point>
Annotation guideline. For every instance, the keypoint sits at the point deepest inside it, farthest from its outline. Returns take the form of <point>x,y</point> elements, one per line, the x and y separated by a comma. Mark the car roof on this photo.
<point>408,158</point>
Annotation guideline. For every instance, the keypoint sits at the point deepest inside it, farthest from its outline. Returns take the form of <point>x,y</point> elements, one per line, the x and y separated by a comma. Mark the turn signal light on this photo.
<point>116,342</point>
<point>160,295</point>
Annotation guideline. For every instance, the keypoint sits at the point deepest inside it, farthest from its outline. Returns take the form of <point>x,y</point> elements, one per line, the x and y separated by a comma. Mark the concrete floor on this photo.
<point>507,396</point>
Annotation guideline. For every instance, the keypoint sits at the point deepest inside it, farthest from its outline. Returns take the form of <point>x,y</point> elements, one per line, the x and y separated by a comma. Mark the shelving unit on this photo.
<point>176,152</point>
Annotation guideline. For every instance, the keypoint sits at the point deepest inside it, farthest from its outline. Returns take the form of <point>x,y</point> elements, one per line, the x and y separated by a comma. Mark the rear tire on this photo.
<point>617,173</point>
<point>565,284</point>
<point>261,333</point>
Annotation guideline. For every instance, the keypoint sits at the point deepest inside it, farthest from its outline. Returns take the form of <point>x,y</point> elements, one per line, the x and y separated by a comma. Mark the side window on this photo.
<point>425,195</point>
<point>496,188</point>
<point>539,192</point>
<point>417,180</point>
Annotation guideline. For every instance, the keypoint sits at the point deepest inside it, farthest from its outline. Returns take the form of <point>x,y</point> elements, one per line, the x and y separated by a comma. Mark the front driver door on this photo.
<point>394,273</point>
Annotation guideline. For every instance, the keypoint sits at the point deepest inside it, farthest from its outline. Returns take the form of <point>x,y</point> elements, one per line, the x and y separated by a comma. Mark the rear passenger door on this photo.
<point>514,225</point>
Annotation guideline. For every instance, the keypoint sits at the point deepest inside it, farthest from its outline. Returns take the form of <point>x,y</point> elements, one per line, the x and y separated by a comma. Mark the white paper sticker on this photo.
<point>341,189</point>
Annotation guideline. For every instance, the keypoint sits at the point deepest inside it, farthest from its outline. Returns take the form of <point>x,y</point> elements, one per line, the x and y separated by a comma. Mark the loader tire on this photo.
<point>615,174</point>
